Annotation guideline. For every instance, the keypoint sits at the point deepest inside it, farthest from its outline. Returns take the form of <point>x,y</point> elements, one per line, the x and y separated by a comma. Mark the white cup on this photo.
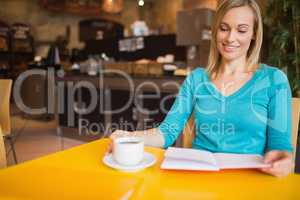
<point>128,150</point>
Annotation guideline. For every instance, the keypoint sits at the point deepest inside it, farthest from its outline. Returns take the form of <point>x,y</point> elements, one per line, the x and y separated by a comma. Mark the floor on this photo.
<point>36,138</point>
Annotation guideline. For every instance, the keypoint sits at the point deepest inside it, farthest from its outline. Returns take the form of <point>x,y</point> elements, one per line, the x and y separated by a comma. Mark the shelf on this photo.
<point>22,56</point>
<point>73,7</point>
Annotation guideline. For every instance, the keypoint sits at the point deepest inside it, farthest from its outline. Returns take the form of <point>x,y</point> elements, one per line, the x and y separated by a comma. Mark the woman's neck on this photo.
<point>236,66</point>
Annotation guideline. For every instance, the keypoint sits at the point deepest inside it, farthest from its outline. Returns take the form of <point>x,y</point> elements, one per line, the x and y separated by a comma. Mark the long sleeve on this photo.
<point>179,113</point>
<point>279,114</point>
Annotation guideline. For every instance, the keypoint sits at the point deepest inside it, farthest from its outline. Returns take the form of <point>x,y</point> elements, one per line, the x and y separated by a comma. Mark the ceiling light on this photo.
<point>141,3</point>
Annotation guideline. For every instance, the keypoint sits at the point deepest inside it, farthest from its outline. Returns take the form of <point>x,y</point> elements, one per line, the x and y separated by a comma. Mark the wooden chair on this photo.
<point>295,123</point>
<point>188,133</point>
<point>2,151</point>
<point>5,92</point>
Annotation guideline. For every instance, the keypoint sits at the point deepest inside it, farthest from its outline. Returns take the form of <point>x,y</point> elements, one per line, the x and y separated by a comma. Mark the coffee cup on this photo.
<point>128,151</point>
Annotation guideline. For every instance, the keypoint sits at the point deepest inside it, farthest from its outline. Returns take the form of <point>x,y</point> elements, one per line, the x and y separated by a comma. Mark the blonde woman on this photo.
<point>240,105</point>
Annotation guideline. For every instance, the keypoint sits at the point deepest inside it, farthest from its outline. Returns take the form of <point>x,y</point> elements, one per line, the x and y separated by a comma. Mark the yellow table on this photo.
<point>79,173</point>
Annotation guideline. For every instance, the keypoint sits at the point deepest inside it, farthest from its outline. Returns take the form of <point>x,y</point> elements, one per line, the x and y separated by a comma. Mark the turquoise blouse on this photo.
<point>254,119</point>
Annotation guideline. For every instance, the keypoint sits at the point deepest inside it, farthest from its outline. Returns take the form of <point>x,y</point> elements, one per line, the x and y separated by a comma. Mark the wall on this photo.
<point>47,25</point>
<point>163,15</point>
<point>190,4</point>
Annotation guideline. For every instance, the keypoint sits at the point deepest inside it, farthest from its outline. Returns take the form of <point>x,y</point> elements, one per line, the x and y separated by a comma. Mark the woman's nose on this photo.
<point>230,37</point>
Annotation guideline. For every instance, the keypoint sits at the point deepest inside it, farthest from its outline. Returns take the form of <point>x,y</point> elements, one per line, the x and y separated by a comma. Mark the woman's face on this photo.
<point>235,33</point>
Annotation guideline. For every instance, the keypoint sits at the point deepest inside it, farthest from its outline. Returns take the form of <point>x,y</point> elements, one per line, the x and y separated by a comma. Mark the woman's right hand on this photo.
<point>114,135</point>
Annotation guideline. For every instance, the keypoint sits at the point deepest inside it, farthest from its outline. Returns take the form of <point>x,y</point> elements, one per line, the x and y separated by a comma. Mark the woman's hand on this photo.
<point>281,163</point>
<point>151,137</point>
<point>117,134</point>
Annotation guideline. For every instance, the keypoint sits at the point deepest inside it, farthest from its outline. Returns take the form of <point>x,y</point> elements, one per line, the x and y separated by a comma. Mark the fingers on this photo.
<point>110,144</point>
<point>109,148</point>
<point>278,172</point>
<point>113,136</point>
<point>271,156</point>
<point>281,163</point>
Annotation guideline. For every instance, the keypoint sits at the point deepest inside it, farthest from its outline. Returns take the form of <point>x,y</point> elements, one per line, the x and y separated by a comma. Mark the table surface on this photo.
<point>79,173</point>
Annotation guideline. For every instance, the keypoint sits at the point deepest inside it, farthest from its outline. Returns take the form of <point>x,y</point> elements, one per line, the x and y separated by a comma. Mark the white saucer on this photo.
<point>147,161</point>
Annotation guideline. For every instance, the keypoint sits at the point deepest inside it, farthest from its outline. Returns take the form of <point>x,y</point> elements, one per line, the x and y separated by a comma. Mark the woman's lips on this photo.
<point>229,48</point>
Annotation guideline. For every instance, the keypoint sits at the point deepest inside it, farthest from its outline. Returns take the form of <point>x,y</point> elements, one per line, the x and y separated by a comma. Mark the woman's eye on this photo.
<point>223,29</point>
<point>242,31</point>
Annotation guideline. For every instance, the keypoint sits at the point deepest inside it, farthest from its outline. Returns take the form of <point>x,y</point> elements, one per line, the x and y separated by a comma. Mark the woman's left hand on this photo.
<point>281,163</point>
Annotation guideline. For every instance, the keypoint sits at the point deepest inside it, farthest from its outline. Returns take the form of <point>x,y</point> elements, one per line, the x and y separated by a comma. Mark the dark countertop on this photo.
<point>127,82</point>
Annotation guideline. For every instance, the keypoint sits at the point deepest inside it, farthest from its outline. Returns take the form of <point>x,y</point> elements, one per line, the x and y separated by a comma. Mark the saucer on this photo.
<point>148,160</point>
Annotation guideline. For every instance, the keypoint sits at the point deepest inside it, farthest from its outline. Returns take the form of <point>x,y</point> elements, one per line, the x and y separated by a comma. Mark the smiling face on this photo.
<point>235,32</point>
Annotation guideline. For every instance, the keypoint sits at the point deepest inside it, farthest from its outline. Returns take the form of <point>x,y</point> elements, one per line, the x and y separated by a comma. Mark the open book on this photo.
<point>193,159</point>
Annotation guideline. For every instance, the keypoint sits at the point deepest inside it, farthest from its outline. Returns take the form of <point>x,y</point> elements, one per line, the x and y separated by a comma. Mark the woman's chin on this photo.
<point>229,56</point>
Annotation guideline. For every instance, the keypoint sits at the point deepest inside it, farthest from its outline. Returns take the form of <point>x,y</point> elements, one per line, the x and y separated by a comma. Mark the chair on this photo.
<point>188,133</point>
<point>5,92</point>
<point>295,123</point>
<point>2,151</point>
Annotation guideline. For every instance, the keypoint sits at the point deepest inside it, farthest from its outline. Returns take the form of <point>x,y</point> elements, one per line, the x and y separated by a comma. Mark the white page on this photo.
<point>182,164</point>
<point>239,161</point>
<point>189,159</point>
<point>191,154</point>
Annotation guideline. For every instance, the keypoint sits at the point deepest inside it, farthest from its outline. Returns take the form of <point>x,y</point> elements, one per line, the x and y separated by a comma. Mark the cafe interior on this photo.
<point>73,71</point>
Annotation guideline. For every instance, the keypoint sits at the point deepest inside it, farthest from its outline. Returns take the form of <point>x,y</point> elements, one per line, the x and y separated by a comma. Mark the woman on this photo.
<point>240,106</point>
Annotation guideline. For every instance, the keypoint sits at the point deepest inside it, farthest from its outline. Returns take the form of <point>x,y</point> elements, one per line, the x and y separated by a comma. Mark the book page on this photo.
<point>239,161</point>
<point>189,159</point>
<point>191,154</point>
<point>181,164</point>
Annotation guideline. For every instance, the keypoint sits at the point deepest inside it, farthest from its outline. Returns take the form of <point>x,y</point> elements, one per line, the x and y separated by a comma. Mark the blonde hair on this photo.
<point>255,46</point>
